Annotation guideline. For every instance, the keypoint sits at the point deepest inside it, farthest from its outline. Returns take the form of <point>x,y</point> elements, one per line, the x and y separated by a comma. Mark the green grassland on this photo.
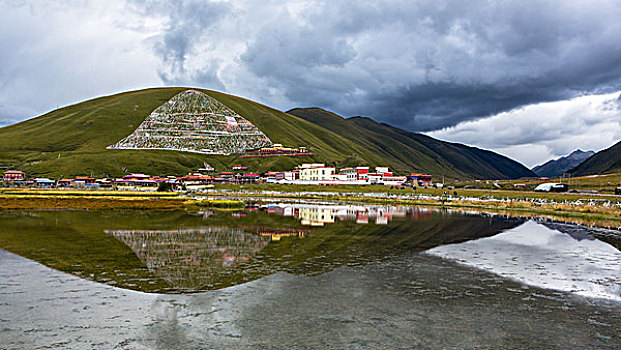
<point>72,141</point>
<point>604,184</point>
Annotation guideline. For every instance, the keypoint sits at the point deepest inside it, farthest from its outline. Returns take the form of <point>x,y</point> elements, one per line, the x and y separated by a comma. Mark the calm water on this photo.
<point>304,276</point>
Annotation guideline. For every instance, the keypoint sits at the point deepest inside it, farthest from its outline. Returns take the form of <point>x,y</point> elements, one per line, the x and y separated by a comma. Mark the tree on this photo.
<point>164,187</point>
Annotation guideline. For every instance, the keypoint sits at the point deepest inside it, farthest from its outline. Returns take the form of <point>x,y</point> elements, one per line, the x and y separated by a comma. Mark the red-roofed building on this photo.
<point>84,179</point>
<point>14,175</point>
<point>420,179</point>
<point>250,178</point>
<point>136,177</point>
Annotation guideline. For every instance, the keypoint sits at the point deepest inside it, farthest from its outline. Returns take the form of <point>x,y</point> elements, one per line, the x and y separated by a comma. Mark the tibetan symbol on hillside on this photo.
<point>192,121</point>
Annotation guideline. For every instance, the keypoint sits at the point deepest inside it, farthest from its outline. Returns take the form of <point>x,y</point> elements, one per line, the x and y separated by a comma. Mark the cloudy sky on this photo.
<point>529,79</point>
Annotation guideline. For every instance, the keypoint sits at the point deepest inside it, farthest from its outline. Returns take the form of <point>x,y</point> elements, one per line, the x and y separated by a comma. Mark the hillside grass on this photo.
<point>411,152</point>
<point>72,140</point>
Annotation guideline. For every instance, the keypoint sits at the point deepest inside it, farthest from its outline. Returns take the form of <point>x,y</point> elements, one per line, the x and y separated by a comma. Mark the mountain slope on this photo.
<point>407,151</point>
<point>560,166</point>
<point>72,141</point>
<point>607,161</point>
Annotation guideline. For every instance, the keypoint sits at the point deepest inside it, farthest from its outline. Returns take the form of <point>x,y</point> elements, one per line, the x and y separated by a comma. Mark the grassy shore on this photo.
<point>18,199</point>
<point>590,209</point>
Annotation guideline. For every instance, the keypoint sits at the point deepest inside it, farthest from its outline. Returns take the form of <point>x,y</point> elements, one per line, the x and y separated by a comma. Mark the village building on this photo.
<point>421,180</point>
<point>62,183</point>
<point>14,175</point>
<point>83,181</point>
<point>355,174</point>
<point>43,182</point>
<point>206,169</point>
<point>192,182</point>
<point>316,172</point>
<point>250,178</point>
<point>278,148</point>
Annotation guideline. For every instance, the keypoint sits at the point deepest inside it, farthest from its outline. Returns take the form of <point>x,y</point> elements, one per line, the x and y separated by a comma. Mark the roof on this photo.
<point>136,175</point>
<point>14,172</point>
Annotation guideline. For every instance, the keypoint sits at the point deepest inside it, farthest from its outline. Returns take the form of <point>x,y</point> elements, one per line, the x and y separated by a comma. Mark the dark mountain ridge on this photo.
<point>423,153</point>
<point>562,165</point>
<point>607,161</point>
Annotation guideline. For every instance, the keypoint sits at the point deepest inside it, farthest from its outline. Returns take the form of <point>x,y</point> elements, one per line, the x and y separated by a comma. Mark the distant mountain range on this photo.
<point>562,165</point>
<point>73,140</point>
<point>607,161</point>
<point>405,150</point>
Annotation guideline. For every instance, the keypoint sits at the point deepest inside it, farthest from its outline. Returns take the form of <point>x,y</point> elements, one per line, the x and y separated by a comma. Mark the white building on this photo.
<point>316,172</point>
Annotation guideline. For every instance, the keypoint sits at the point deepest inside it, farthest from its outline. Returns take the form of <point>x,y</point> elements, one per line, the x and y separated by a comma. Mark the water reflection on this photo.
<point>175,252</point>
<point>538,255</point>
<point>319,215</point>
<point>411,301</point>
<point>192,258</point>
<point>346,284</point>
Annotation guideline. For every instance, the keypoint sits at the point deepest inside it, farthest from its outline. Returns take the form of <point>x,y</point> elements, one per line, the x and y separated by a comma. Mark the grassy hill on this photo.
<point>72,141</point>
<point>407,151</point>
<point>607,161</point>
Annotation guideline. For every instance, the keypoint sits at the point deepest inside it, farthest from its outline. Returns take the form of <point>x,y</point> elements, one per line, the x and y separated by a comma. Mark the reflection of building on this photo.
<point>277,234</point>
<point>316,216</point>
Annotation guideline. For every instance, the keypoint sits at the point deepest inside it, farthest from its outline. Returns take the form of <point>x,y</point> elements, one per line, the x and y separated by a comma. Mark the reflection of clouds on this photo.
<point>536,255</point>
<point>376,306</point>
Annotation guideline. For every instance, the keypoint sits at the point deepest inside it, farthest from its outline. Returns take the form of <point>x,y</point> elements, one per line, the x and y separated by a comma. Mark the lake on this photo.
<point>305,275</point>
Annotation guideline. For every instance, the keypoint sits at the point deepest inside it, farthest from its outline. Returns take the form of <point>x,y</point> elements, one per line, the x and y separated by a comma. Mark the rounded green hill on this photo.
<point>72,141</point>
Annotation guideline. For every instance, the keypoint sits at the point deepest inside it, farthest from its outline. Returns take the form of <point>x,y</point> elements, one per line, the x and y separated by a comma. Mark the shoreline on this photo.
<point>597,213</point>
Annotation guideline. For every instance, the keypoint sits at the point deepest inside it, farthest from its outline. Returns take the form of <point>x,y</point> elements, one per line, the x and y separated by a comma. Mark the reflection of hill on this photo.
<point>347,243</point>
<point>192,258</point>
<point>180,251</point>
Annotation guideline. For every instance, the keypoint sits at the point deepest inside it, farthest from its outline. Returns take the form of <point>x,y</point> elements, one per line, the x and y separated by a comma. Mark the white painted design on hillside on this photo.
<point>192,121</point>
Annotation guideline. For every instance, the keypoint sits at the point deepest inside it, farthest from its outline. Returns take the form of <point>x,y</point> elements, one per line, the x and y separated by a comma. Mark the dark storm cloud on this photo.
<point>434,64</point>
<point>423,64</point>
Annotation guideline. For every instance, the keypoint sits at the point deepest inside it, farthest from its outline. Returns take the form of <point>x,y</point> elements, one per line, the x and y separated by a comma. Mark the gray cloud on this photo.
<point>434,64</point>
<point>187,25</point>
<point>421,65</point>
<point>537,133</point>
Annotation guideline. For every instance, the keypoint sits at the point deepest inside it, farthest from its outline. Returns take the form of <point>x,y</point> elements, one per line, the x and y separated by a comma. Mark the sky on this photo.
<point>532,80</point>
